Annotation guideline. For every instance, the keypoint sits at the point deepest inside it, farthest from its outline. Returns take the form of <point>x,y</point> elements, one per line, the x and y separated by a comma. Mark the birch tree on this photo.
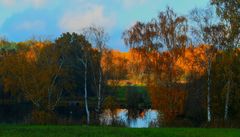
<point>77,50</point>
<point>98,38</point>
<point>202,21</point>
<point>229,12</point>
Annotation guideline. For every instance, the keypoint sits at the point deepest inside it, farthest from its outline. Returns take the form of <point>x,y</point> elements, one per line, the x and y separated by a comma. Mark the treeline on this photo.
<point>73,70</point>
<point>189,64</point>
<point>43,72</point>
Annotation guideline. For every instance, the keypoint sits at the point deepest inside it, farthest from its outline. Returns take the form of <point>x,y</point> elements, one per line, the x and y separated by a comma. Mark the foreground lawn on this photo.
<point>84,131</point>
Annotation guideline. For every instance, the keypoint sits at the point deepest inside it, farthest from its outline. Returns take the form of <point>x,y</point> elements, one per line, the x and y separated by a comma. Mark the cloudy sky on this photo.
<point>23,19</point>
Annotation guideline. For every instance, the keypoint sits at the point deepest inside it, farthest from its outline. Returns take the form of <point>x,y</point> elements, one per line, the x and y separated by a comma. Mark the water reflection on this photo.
<point>144,118</point>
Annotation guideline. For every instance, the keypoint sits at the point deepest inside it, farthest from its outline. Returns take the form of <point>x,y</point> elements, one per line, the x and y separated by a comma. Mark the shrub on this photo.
<point>43,117</point>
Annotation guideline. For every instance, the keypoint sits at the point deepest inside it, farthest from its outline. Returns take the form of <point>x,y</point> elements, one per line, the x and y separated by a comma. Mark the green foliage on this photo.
<point>74,47</point>
<point>8,47</point>
<point>137,98</point>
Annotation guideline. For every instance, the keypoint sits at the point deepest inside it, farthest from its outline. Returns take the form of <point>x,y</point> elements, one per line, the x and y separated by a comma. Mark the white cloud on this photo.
<point>28,25</point>
<point>76,20</point>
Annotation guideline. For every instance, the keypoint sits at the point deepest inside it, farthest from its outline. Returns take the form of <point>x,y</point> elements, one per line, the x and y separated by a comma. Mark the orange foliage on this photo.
<point>33,71</point>
<point>33,51</point>
<point>194,60</point>
<point>169,100</point>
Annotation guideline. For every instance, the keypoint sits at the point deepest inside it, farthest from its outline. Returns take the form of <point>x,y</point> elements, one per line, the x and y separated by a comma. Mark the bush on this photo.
<point>43,117</point>
<point>110,103</point>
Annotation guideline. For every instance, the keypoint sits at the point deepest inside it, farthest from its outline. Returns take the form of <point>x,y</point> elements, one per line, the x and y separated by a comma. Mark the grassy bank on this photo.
<point>85,131</point>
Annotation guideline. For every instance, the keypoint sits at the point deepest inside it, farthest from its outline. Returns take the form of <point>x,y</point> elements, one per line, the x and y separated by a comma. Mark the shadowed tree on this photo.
<point>229,13</point>
<point>77,51</point>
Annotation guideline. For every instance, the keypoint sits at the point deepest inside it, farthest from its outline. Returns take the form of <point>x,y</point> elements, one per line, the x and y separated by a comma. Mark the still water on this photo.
<point>139,119</point>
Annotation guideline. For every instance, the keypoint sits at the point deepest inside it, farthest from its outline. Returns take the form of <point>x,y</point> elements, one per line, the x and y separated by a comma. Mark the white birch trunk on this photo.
<point>85,90</point>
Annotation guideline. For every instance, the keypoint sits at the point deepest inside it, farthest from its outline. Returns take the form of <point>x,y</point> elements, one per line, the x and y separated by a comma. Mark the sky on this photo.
<point>24,19</point>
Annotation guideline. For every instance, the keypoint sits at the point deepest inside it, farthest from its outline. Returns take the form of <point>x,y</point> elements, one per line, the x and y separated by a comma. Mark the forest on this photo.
<point>185,67</point>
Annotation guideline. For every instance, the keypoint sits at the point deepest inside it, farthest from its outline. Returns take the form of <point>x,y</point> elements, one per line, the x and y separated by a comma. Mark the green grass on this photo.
<point>85,131</point>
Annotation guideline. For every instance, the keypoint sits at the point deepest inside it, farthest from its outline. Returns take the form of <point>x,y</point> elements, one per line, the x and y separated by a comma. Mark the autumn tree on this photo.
<point>6,49</point>
<point>161,42</point>
<point>193,65</point>
<point>34,70</point>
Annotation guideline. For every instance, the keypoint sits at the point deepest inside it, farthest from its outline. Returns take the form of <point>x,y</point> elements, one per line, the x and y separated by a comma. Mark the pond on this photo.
<point>124,117</point>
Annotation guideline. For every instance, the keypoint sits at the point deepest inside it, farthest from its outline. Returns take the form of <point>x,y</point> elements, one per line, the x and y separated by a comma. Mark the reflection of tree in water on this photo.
<point>133,113</point>
<point>123,117</point>
<point>136,101</point>
<point>143,118</point>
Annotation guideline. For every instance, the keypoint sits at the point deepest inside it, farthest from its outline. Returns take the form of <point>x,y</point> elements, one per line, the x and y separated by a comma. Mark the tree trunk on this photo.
<point>50,88</point>
<point>227,101</point>
<point>99,91</point>
<point>85,96</point>
<point>49,99</point>
<point>208,91</point>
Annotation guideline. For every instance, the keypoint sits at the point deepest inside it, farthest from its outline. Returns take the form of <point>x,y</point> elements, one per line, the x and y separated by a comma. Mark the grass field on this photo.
<point>85,131</point>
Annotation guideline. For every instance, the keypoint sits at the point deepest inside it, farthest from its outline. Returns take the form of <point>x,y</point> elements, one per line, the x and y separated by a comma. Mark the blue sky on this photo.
<point>24,19</point>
